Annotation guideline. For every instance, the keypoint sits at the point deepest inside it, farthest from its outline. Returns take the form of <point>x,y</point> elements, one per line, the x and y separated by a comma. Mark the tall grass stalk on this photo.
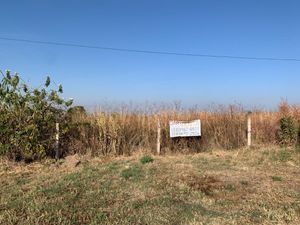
<point>127,130</point>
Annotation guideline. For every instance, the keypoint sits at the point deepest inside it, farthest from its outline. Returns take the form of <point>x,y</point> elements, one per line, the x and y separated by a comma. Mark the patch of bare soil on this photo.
<point>205,183</point>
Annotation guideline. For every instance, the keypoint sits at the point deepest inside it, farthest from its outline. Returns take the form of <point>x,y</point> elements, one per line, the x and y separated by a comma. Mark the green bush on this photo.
<point>288,131</point>
<point>28,117</point>
<point>77,135</point>
<point>146,159</point>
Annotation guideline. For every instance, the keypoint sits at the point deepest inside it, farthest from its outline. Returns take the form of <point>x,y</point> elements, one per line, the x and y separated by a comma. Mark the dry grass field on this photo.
<point>257,186</point>
<point>108,132</point>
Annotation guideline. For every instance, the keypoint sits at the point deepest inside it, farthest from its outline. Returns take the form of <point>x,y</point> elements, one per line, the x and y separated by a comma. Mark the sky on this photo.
<point>253,28</point>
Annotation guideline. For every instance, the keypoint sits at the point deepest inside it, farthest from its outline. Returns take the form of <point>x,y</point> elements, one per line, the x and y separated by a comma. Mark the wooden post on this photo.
<point>249,129</point>
<point>158,138</point>
<point>57,141</point>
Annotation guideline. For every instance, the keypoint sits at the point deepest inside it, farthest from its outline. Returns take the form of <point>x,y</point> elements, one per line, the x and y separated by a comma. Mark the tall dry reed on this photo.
<point>122,132</point>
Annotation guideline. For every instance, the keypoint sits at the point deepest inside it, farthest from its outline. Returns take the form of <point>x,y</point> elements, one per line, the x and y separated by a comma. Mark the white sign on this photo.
<point>185,129</point>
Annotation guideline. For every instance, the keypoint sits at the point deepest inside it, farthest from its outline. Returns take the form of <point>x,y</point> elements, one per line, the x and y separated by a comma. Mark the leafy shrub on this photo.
<point>288,131</point>
<point>28,117</point>
<point>146,159</point>
<point>78,129</point>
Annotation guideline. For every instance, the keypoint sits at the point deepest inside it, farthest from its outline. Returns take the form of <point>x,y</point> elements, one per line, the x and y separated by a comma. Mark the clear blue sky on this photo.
<point>258,28</point>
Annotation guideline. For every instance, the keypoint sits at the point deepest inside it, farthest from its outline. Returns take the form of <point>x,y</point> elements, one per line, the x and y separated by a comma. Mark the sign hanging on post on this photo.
<point>185,129</point>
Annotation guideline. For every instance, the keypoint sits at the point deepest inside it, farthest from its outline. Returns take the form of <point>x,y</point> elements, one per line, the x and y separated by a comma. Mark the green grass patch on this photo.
<point>276,178</point>
<point>124,191</point>
<point>113,166</point>
<point>229,187</point>
<point>256,216</point>
<point>283,155</point>
<point>146,159</point>
<point>133,173</point>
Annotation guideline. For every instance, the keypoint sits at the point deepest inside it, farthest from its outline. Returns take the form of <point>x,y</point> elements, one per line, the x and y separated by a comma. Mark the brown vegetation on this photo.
<point>126,131</point>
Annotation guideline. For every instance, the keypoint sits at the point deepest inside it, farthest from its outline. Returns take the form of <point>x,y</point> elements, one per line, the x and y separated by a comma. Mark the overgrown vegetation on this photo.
<point>125,131</point>
<point>28,117</point>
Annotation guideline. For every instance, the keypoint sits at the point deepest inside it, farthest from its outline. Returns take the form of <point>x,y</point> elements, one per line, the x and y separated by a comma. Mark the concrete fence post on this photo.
<point>158,138</point>
<point>249,128</point>
<point>57,141</point>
